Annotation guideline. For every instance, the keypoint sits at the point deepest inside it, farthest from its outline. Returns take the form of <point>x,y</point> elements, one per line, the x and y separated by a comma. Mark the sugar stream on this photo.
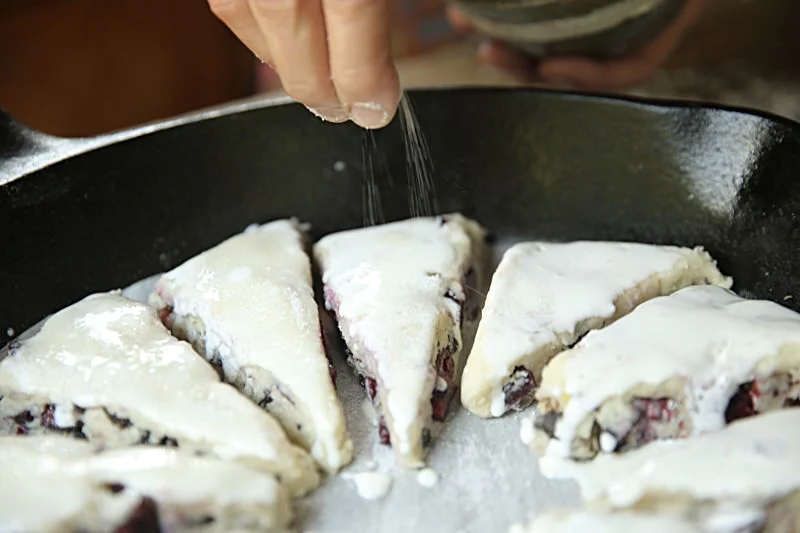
<point>419,169</point>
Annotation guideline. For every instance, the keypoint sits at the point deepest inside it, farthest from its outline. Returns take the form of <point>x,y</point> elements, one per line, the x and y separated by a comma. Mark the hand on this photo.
<point>587,74</point>
<point>331,55</point>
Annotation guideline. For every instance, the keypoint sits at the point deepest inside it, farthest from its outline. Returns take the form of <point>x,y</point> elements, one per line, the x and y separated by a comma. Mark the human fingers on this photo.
<point>239,18</point>
<point>361,66</point>
<point>294,31</point>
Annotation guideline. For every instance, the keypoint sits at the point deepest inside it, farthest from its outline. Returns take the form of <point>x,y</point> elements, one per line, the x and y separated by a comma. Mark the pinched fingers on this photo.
<point>237,15</point>
<point>362,70</point>
<point>331,55</point>
<point>289,35</point>
<point>294,31</point>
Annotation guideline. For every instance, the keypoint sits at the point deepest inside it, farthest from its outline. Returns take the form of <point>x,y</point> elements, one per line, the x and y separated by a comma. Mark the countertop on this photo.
<point>742,52</point>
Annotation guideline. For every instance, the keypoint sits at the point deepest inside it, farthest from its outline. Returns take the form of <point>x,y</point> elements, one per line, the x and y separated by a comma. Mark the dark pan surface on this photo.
<point>524,163</point>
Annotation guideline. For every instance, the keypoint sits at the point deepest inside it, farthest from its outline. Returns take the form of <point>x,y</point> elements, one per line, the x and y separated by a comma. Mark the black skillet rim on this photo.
<point>40,150</point>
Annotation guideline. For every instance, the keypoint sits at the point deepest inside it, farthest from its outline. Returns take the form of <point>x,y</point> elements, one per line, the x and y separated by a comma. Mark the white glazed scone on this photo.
<point>247,305</point>
<point>400,292</point>
<point>587,521</point>
<point>58,484</point>
<point>677,366</point>
<point>545,296</point>
<point>745,477</point>
<point>106,369</point>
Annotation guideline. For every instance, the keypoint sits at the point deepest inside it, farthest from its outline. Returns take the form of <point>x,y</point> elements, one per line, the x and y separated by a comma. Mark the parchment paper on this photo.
<point>488,479</point>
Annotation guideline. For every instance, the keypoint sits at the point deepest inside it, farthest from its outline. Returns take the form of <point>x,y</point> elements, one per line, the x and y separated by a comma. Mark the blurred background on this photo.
<point>84,67</point>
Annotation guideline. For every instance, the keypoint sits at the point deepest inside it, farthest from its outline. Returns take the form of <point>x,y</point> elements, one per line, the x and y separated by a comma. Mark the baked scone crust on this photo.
<point>545,296</point>
<point>247,305</point>
<point>400,293</point>
<point>107,370</point>
<point>678,366</point>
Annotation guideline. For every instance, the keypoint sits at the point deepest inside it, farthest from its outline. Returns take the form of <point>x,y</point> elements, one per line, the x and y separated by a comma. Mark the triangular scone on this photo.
<point>247,305</point>
<point>745,477</point>
<point>400,292</point>
<point>106,369</point>
<point>677,366</point>
<point>53,484</point>
<point>545,296</point>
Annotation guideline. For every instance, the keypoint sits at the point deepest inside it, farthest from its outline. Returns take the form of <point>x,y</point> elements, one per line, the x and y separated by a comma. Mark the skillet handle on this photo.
<point>24,150</point>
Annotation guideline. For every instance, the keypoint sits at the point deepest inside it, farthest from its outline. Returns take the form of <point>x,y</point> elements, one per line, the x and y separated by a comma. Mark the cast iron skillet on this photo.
<point>89,215</point>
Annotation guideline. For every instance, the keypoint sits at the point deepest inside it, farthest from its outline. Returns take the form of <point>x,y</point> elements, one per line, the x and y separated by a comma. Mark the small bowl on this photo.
<point>589,28</point>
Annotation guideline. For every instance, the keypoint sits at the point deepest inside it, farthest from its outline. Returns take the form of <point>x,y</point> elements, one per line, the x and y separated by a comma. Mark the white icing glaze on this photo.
<point>27,481</point>
<point>526,430</point>
<point>108,351</point>
<point>427,477</point>
<point>541,292</point>
<point>389,282</point>
<point>56,484</point>
<point>707,335</point>
<point>371,485</point>
<point>254,295</point>
<point>608,442</point>
<point>580,521</point>
<point>742,468</point>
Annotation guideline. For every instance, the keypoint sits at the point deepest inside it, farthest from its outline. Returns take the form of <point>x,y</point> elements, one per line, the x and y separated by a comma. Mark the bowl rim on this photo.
<point>514,22</point>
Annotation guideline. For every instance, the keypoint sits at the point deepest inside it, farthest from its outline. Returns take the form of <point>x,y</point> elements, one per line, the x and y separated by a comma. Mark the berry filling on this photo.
<point>372,387</point>
<point>143,519</point>
<point>383,432</point>
<point>265,401</point>
<point>654,415</point>
<point>22,420</point>
<point>114,488</point>
<point>743,403</point>
<point>48,418</point>
<point>28,422</point>
<point>165,315</point>
<point>759,396</point>
<point>665,418</point>
<point>70,420</point>
<point>518,390</point>
<point>440,399</point>
<point>13,347</point>
<point>445,389</point>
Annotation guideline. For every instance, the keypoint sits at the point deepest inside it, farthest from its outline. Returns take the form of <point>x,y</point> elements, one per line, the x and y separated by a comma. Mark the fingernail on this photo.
<point>369,115</point>
<point>330,114</point>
